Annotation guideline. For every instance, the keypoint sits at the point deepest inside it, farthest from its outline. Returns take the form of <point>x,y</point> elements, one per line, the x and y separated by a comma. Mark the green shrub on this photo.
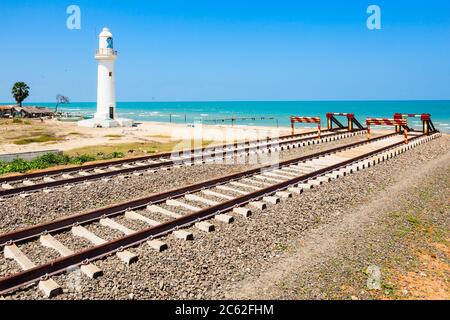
<point>17,120</point>
<point>51,159</point>
<point>17,165</point>
<point>82,159</point>
<point>43,162</point>
<point>116,154</point>
<point>109,156</point>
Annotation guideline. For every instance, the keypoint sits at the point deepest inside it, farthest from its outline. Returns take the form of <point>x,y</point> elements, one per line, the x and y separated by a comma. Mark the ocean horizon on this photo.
<point>274,113</point>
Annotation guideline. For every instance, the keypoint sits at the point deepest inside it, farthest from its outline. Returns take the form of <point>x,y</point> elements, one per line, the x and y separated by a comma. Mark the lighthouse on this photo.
<point>106,116</point>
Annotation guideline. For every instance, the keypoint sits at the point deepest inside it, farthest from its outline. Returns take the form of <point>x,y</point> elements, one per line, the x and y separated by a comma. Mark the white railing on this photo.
<point>105,52</point>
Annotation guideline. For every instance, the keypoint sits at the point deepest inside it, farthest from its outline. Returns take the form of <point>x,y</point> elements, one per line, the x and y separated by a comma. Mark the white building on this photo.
<point>106,116</point>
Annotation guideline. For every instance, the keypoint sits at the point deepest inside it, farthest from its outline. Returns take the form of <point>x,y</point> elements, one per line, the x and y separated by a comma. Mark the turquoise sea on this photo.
<point>280,111</point>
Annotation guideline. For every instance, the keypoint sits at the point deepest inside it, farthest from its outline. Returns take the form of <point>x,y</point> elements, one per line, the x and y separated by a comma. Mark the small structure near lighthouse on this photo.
<point>106,116</point>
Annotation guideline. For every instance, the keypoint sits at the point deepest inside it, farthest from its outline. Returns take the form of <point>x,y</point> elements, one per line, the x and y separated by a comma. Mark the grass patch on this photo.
<point>27,131</point>
<point>283,285</point>
<point>439,234</point>
<point>281,247</point>
<point>388,288</point>
<point>138,148</point>
<point>113,136</point>
<point>395,214</point>
<point>413,221</point>
<point>20,121</point>
<point>162,136</point>
<point>38,139</point>
<point>425,195</point>
<point>406,223</point>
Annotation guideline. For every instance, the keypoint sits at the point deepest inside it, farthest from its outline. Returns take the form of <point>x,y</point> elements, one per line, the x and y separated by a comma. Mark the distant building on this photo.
<point>32,112</point>
<point>6,111</point>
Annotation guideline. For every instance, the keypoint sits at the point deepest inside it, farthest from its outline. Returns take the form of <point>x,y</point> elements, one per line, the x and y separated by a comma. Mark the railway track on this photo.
<point>195,205</point>
<point>46,181</point>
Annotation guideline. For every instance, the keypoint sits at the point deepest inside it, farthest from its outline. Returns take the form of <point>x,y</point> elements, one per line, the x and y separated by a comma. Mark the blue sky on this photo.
<point>174,50</point>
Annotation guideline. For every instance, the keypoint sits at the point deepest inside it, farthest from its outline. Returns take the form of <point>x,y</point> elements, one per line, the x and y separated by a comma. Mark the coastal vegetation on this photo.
<point>20,92</point>
<point>38,139</point>
<point>140,148</point>
<point>83,155</point>
<point>114,136</point>
<point>42,162</point>
<point>51,160</point>
<point>18,131</point>
<point>26,132</point>
<point>21,121</point>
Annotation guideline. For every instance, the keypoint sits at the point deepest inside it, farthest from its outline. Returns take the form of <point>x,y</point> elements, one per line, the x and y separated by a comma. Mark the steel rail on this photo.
<point>23,278</point>
<point>67,222</point>
<point>146,158</point>
<point>97,176</point>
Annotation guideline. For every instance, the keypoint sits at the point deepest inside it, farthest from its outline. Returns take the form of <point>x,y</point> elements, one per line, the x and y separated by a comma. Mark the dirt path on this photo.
<point>335,259</point>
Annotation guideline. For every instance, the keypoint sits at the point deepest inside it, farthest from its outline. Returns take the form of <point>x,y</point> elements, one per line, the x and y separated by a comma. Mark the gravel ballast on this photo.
<point>215,263</point>
<point>18,212</point>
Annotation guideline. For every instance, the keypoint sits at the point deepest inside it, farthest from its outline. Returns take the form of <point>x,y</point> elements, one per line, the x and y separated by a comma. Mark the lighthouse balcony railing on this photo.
<point>105,52</point>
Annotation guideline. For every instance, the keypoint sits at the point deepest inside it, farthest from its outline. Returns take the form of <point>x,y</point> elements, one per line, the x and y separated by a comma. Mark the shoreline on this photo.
<point>275,112</point>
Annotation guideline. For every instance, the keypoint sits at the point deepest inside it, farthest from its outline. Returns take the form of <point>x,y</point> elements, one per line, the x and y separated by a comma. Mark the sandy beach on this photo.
<point>66,136</point>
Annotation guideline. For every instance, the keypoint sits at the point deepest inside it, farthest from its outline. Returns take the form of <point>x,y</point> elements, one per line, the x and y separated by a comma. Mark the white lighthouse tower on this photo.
<point>105,116</point>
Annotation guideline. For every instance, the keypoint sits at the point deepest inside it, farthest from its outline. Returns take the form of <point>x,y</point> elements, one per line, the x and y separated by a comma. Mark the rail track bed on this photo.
<point>49,180</point>
<point>202,206</point>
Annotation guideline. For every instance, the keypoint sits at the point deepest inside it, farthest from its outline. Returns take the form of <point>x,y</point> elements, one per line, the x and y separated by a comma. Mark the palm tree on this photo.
<point>20,92</point>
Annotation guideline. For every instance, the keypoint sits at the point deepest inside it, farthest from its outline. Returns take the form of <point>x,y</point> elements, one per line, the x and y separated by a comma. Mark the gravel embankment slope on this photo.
<point>401,227</point>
